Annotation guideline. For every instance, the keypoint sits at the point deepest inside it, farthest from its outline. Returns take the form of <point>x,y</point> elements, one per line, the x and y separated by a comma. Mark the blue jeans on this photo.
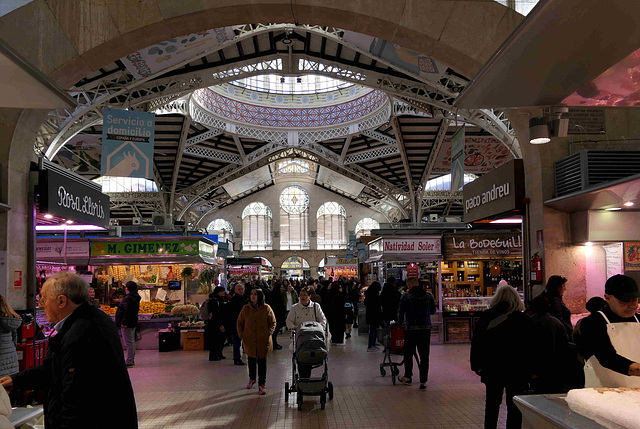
<point>373,334</point>
<point>236,347</point>
<point>129,340</point>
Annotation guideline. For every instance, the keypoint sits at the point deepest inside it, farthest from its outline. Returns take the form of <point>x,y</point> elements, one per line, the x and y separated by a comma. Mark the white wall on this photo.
<point>271,197</point>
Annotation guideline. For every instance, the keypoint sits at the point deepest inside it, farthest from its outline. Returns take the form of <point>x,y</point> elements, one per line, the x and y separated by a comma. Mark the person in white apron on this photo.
<point>610,340</point>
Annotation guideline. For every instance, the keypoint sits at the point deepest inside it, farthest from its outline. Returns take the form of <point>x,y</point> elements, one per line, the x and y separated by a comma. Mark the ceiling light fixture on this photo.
<point>68,228</point>
<point>48,216</point>
<point>69,222</point>
<point>613,209</point>
<point>538,131</point>
<point>507,220</point>
<point>628,204</point>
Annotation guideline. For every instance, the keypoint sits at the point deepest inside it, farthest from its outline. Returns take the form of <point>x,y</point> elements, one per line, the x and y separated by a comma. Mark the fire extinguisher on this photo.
<point>536,269</point>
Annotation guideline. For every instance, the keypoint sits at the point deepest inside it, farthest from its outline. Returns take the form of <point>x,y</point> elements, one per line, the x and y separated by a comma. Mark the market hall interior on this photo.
<point>72,42</point>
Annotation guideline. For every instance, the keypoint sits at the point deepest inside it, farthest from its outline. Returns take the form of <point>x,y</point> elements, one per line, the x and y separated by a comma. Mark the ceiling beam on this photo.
<point>238,143</point>
<point>433,156</point>
<point>186,125</point>
<point>405,163</point>
<point>345,149</point>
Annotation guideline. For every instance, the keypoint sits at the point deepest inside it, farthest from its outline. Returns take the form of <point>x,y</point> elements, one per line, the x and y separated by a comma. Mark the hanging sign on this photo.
<point>127,143</point>
<point>341,261</point>
<point>73,198</point>
<point>496,192</point>
<point>55,250</point>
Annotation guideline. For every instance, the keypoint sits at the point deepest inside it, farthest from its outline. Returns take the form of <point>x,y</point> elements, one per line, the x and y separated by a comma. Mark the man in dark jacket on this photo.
<point>86,341</point>
<point>417,305</point>
<point>127,320</point>
<point>234,308</point>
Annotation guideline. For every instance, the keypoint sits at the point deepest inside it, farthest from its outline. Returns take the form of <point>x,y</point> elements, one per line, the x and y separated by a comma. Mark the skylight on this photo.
<point>306,84</point>
<point>126,184</point>
<point>443,183</point>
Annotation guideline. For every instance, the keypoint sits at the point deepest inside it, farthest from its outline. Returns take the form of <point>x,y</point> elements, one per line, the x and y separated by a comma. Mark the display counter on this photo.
<point>550,412</point>
<point>149,331</point>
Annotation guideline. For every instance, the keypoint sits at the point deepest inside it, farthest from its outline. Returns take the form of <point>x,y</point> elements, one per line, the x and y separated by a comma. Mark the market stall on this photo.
<point>243,268</point>
<point>341,266</point>
<point>404,257</point>
<point>474,265</point>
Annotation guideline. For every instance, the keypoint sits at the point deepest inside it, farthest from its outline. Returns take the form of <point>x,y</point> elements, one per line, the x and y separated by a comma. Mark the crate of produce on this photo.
<point>193,340</point>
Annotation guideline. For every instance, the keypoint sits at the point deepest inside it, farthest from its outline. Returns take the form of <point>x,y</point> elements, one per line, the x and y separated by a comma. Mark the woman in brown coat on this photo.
<point>255,325</point>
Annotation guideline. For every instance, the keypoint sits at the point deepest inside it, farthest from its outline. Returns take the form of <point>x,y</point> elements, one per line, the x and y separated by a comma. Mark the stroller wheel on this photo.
<point>383,372</point>
<point>330,391</point>
<point>395,371</point>
<point>323,400</point>
<point>286,392</point>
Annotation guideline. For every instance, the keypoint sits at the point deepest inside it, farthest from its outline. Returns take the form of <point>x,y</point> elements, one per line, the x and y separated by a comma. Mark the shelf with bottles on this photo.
<point>508,270</point>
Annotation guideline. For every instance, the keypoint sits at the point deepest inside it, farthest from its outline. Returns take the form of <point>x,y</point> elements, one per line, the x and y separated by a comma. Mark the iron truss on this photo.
<point>122,90</point>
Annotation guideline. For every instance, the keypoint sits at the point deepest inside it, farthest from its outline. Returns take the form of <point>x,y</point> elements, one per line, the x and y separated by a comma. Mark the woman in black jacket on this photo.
<point>373,309</point>
<point>556,286</point>
<point>501,354</point>
<point>390,298</point>
<point>215,325</point>
<point>336,313</point>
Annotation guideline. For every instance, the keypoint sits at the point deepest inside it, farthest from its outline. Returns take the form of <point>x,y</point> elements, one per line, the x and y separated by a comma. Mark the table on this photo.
<point>22,415</point>
<point>551,412</point>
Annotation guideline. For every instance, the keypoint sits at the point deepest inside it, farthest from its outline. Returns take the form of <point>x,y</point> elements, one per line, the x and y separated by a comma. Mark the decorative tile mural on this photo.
<point>481,155</point>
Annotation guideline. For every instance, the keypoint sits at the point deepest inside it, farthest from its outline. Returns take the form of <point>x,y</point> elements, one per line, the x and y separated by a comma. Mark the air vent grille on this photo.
<point>589,168</point>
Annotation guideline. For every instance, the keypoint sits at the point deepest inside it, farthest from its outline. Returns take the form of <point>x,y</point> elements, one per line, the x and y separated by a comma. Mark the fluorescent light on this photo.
<point>69,228</point>
<point>48,216</point>
<point>69,222</point>
<point>507,220</point>
<point>628,204</point>
<point>612,209</point>
<point>588,243</point>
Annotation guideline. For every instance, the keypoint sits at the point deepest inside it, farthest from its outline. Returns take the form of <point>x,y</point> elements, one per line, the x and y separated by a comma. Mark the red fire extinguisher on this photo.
<point>536,269</point>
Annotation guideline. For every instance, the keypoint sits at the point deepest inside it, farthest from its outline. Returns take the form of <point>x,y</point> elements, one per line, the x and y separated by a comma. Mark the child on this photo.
<point>348,318</point>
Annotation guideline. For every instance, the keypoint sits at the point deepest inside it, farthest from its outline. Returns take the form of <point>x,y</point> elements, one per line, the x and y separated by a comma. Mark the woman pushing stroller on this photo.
<point>305,311</point>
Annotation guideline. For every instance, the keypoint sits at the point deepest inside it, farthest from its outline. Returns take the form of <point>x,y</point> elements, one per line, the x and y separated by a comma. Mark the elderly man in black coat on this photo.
<point>86,341</point>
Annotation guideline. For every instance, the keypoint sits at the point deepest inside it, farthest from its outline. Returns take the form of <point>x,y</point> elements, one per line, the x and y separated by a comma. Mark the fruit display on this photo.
<point>152,307</point>
<point>185,310</point>
<point>109,310</point>
<point>118,272</point>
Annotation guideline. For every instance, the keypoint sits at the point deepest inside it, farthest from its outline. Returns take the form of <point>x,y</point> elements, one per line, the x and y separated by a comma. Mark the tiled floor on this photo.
<point>183,389</point>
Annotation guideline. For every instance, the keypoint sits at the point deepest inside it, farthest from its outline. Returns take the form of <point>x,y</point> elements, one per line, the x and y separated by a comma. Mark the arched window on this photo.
<point>365,225</point>
<point>294,219</point>
<point>256,227</point>
<point>223,226</point>
<point>332,226</point>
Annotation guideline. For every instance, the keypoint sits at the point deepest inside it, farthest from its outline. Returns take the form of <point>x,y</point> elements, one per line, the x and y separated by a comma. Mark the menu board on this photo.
<point>614,258</point>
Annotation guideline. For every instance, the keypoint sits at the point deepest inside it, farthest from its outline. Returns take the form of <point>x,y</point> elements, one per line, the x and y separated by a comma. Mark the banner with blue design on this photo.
<point>127,143</point>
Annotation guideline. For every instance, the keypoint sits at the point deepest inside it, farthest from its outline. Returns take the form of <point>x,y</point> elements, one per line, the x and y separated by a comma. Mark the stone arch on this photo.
<point>67,41</point>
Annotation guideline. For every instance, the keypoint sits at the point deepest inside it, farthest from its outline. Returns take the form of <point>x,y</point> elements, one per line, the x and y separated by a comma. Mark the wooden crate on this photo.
<point>193,340</point>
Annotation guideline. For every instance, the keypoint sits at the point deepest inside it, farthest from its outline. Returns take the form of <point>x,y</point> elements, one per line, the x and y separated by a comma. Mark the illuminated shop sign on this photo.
<point>482,246</point>
<point>499,191</point>
<point>426,245</point>
<point>69,198</point>
<point>128,248</point>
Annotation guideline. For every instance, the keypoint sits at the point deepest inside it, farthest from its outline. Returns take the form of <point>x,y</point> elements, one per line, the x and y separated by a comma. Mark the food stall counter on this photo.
<point>149,331</point>
<point>551,412</point>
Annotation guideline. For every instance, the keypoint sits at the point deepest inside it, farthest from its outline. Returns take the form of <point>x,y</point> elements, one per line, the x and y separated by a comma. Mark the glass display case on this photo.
<point>466,304</point>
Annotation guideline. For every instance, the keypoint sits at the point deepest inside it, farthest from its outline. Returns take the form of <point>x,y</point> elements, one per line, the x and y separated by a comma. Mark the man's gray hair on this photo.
<point>70,285</point>
<point>509,295</point>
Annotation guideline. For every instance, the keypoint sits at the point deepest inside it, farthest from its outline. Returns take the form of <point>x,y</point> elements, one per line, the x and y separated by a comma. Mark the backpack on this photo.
<point>204,310</point>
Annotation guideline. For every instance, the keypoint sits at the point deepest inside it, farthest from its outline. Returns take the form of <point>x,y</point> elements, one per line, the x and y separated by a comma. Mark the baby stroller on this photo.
<point>310,350</point>
<point>392,338</point>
